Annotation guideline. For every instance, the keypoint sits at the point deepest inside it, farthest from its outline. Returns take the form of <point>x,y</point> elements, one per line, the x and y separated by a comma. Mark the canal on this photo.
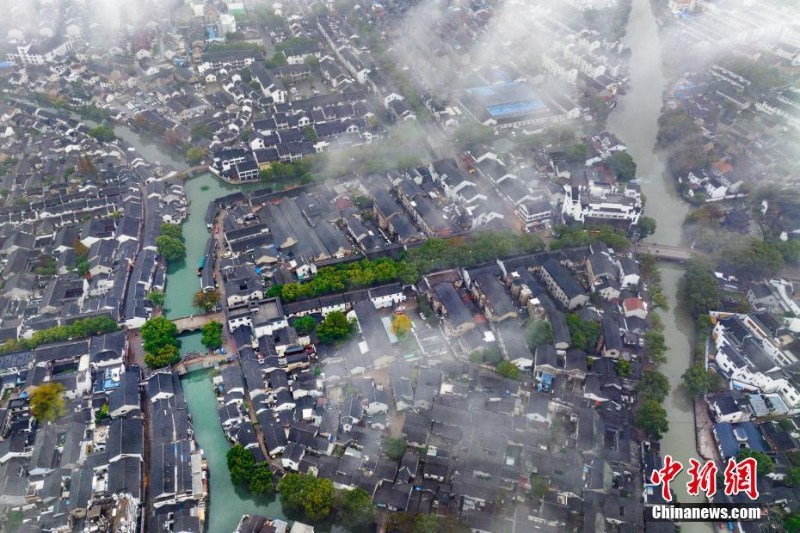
<point>227,503</point>
<point>182,279</point>
<point>635,122</point>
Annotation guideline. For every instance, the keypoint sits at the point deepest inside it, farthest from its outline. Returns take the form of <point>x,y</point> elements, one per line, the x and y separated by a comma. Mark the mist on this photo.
<point>98,23</point>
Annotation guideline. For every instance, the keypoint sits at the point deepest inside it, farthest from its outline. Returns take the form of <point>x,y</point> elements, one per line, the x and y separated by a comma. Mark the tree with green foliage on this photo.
<point>212,335</point>
<point>539,487</point>
<point>82,266</point>
<point>792,523</point>
<point>306,494</point>
<point>47,402</point>
<point>261,479</point>
<point>507,369</point>
<point>81,258</point>
<point>310,134</point>
<point>764,76</point>
<point>159,332</point>
<point>195,155</point>
<point>471,135</point>
<point>424,523</point>
<point>576,152</point>
<point>206,301</point>
<point>646,226</point>
<point>702,327</point>
<point>583,334</point>
<point>792,478</point>
<point>47,266</point>
<point>622,165</point>
<point>699,289</point>
<point>491,355</point>
<point>699,380</point>
<point>335,327</point>
<point>584,235</point>
<point>201,131</point>
<point>673,126</point>
<point>789,250</point>
<point>103,133</point>
<point>102,414</point>
<point>394,447</point>
<point>292,173</point>
<point>354,508</point>
<point>241,464</point>
<point>278,59</point>
<point>156,298</point>
<point>623,368</point>
<point>689,155</point>
<point>170,248</point>
<point>655,346</point>
<point>162,357</point>
<point>435,254</point>
<point>539,332</point>
<point>652,418</point>
<point>653,386</point>
<point>765,462</point>
<point>479,247</point>
<point>752,258</point>
<point>85,327</point>
<point>304,325</point>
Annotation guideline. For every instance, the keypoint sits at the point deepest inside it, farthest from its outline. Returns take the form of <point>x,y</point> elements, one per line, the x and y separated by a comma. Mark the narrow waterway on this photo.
<point>636,124</point>
<point>150,149</point>
<point>227,503</point>
<point>182,279</point>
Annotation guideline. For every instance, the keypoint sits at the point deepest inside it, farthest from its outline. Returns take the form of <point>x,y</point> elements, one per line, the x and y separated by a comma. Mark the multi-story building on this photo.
<point>592,203</point>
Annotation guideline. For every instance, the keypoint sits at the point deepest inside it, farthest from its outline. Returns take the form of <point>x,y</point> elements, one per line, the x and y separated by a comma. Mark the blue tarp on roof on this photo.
<point>755,441</point>
<point>546,383</point>
<point>728,443</point>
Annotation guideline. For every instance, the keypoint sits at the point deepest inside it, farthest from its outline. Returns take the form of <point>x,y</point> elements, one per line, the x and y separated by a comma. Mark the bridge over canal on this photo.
<point>199,361</point>
<point>679,254</point>
<point>195,322</point>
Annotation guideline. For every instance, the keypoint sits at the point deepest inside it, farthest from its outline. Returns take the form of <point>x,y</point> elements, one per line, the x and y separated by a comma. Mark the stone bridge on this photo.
<point>679,254</point>
<point>198,361</point>
<point>195,322</point>
<point>186,173</point>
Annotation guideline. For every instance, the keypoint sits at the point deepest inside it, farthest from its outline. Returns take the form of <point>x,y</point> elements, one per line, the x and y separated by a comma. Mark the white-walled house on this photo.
<point>387,295</point>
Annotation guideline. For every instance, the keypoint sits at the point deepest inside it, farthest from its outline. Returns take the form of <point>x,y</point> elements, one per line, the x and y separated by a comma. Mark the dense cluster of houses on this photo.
<point>329,414</point>
<point>76,241</point>
<point>745,114</point>
<point>550,451</point>
<point>84,470</point>
<point>755,353</point>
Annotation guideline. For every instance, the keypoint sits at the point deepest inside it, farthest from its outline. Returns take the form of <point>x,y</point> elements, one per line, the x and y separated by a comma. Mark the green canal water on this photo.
<point>227,503</point>
<point>182,279</point>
